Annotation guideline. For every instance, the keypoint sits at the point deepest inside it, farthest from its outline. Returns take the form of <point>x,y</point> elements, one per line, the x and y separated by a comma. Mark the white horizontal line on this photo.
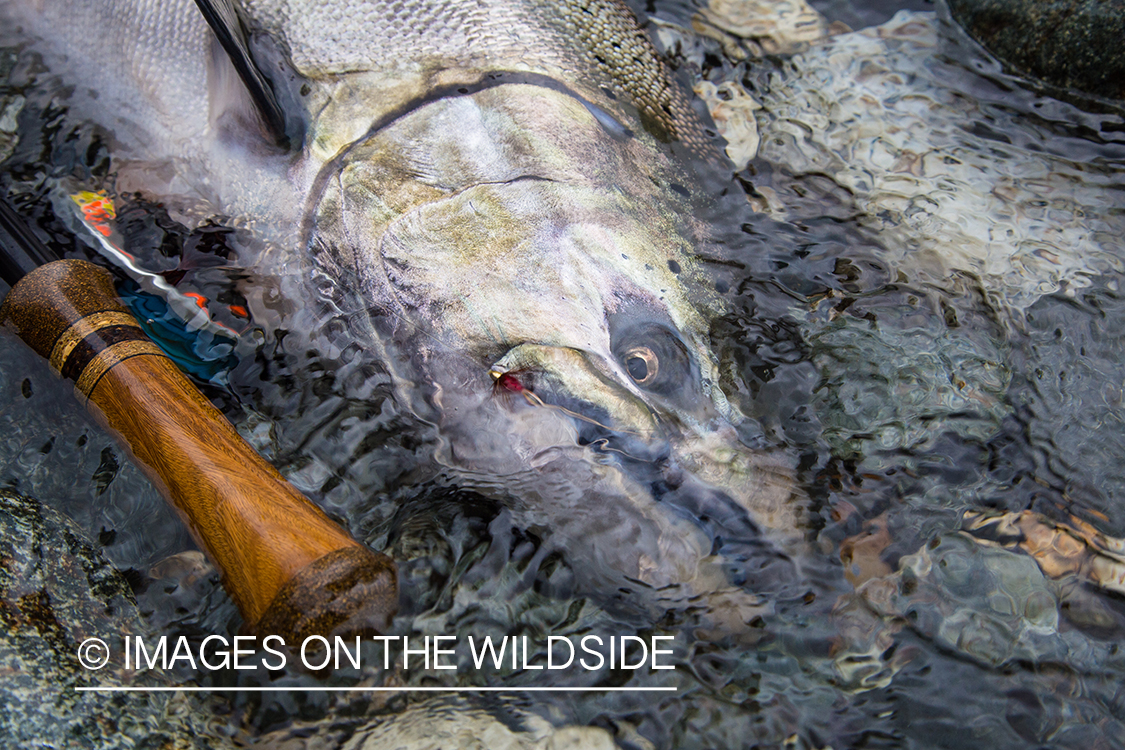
<point>267,689</point>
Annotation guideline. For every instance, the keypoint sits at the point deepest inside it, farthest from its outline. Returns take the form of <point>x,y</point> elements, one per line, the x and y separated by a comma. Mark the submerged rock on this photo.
<point>450,724</point>
<point>986,603</point>
<point>56,592</point>
<point>760,27</point>
<point>1069,43</point>
<point>948,179</point>
<point>899,385</point>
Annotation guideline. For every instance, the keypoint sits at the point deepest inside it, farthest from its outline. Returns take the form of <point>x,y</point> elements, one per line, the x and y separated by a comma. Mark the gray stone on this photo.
<point>56,591</point>
<point>1069,43</point>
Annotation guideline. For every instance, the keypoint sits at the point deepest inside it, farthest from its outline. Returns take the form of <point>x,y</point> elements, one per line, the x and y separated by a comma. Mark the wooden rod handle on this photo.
<point>289,568</point>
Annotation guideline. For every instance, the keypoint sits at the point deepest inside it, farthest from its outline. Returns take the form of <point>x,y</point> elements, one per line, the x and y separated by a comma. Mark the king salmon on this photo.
<point>487,196</point>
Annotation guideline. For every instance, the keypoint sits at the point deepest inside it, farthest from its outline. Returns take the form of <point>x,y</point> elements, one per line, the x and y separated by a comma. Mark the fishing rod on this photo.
<point>291,570</point>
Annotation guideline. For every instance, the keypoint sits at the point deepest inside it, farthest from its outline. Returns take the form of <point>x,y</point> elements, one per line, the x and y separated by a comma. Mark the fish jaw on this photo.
<point>685,439</point>
<point>641,534</point>
<point>570,376</point>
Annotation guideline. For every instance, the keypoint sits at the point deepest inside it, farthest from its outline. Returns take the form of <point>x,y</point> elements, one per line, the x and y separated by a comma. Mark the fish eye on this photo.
<point>642,365</point>
<point>655,359</point>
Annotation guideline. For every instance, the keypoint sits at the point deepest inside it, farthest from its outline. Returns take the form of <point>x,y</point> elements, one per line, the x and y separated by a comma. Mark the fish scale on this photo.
<point>419,39</point>
<point>164,43</point>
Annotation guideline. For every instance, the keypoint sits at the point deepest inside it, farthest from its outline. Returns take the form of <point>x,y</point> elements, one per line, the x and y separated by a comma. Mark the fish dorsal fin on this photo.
<point>223,19</point>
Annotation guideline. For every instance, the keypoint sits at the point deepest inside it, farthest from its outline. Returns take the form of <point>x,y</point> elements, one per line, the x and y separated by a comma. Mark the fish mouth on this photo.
<point>571,382</point>
<point>689,478</point>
